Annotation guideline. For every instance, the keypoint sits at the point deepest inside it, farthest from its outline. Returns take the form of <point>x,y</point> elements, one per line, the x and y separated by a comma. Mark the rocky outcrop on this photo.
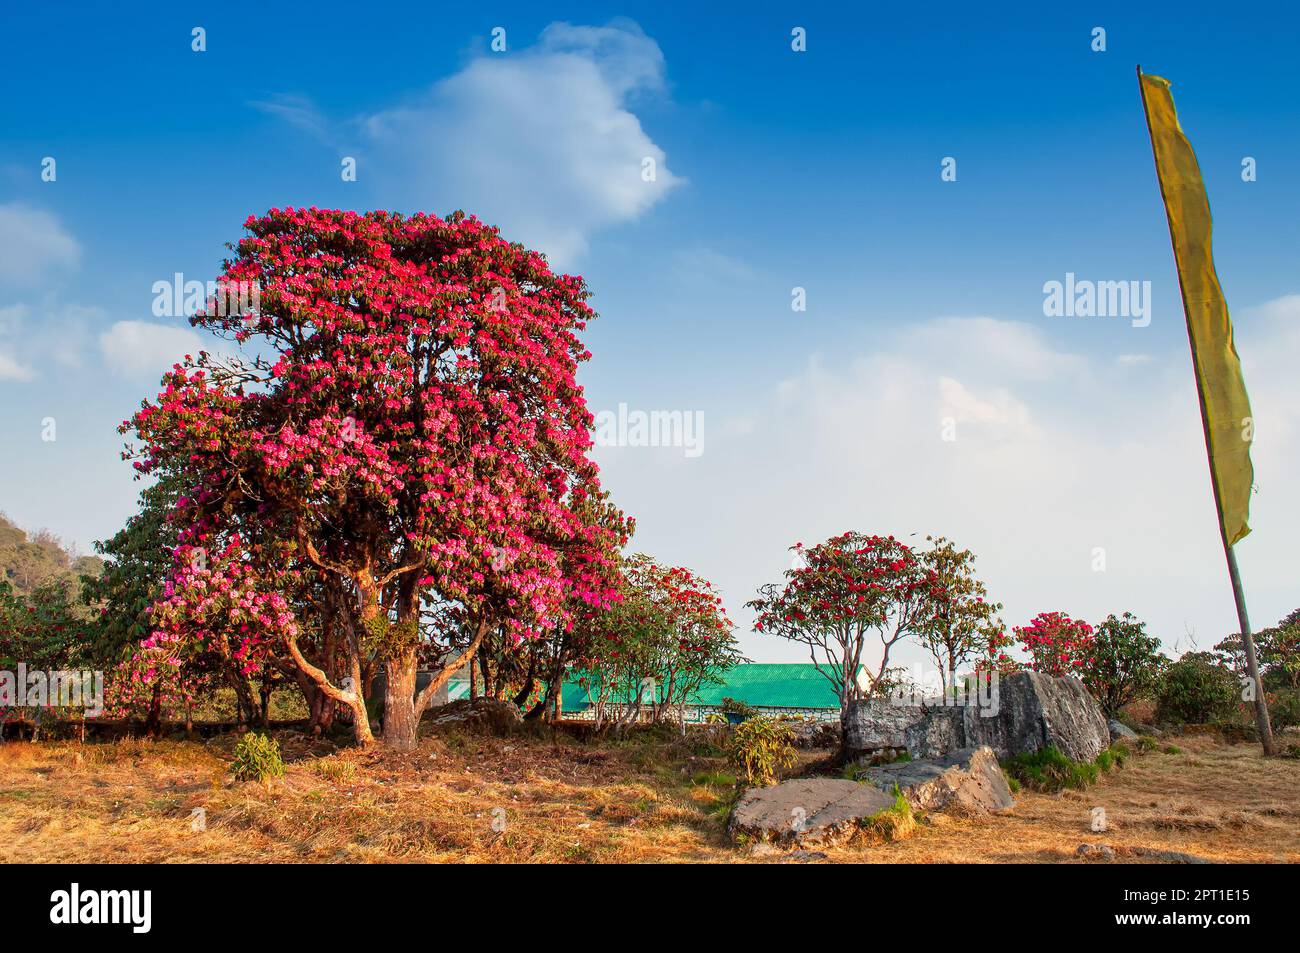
<point>968,778</point>
<point>878,724</point>
<point>1031,711</point>
<point>809,812</point>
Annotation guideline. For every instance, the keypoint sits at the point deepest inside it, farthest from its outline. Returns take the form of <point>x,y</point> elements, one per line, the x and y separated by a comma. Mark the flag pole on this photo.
<point>1234,575</point>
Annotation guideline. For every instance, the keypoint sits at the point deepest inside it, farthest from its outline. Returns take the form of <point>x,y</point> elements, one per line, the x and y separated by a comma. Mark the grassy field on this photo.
<point>473,798</point>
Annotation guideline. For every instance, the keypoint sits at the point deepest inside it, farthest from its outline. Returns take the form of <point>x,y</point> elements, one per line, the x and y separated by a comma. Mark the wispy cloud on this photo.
<point>32,244</point>
<point>146,350</point>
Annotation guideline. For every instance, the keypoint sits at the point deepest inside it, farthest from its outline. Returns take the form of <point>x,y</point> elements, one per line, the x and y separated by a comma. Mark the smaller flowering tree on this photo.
<point>665,638</point>
<point>843,598</point>
<point>1125,662</point>
<point>1057,644</point>
<point>959,622</point>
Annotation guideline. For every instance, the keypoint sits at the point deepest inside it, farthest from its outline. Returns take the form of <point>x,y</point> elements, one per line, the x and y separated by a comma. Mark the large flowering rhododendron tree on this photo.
<point>406,440</point>
<point>850,600</point>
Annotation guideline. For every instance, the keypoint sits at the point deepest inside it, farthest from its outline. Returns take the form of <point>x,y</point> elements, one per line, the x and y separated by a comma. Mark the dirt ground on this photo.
<point>468,798</point>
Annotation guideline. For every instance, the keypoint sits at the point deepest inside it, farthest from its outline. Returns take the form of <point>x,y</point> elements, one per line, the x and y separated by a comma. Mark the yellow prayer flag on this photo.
<point>1225,408</point>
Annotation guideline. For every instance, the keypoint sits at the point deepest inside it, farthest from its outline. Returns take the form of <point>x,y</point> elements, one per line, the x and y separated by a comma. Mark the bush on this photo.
<point>742,711</point>
<point>1124,663</point>
<point>1196,690</point>
<point>1284,708</point>
<point>760,747</point>
<point>257,758</point>
<point>1049,771</point>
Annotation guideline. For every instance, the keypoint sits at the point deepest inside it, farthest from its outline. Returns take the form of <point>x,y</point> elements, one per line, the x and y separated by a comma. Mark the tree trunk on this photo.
<point>153,720</point>
<point>401,721</point>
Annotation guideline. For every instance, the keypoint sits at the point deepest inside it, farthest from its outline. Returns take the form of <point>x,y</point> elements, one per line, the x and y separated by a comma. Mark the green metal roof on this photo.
<point>757,684</point>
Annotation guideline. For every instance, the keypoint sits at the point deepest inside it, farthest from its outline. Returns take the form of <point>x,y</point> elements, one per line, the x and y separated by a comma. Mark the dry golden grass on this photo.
<point>570,801</point>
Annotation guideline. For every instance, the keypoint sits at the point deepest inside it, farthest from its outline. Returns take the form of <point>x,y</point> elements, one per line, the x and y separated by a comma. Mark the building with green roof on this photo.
<point>772,688</point>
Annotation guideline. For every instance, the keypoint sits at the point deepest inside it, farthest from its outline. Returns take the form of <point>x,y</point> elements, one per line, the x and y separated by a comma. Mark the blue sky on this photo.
<point>776,169</point>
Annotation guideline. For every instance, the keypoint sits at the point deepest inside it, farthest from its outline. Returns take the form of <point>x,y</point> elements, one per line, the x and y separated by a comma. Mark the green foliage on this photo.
<point>760,748</point>
<point>1196,690</point>
<point>1284,708</point>
<point>1112,757</point>
<point>42,628</point>
<point>1146,743</point>
<point>733,707</point>
<point>896,821</point>
<point>135,561</point>
<point>1125,662</point>
<point>29,562</point>
<point>257,758</point>
<point>1277,649</point>
<point>1049,771</point>
<point>714,779</point>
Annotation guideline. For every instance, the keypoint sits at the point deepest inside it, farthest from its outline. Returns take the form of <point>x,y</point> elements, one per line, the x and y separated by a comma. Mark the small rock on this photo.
<point>1119,730</point>
<point>1095,852</point>
<point>805,856</point>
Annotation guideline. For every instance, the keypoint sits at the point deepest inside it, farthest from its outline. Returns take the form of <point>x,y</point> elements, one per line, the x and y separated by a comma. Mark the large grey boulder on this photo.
<point>1031,711</point>
<point>968,778</point>
<point>1035,711</point>
<point>878,724</point>
<point>809,812</point>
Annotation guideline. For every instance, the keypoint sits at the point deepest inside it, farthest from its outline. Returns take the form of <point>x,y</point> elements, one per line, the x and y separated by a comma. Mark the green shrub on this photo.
<point>1049,771</point>
<point>760,747</point>
<point>1196,690</point>
<point>1146,743</point>
<point>732,706</point>
<point>257,758</point>
<point>1124,662</point>
<point>1284,708</point>
<point>894,822</point>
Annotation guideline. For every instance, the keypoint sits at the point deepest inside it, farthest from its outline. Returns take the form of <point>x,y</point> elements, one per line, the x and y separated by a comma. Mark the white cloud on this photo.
<point>1057,455</point>
<point>33,243</point>
<point>11,370</point>
<point>142,349</point>
<point>539,140</point>
<point>52,333</point>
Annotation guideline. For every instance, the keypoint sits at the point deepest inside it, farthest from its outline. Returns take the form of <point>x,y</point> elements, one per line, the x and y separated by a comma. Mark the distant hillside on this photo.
<point>27,562</point>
